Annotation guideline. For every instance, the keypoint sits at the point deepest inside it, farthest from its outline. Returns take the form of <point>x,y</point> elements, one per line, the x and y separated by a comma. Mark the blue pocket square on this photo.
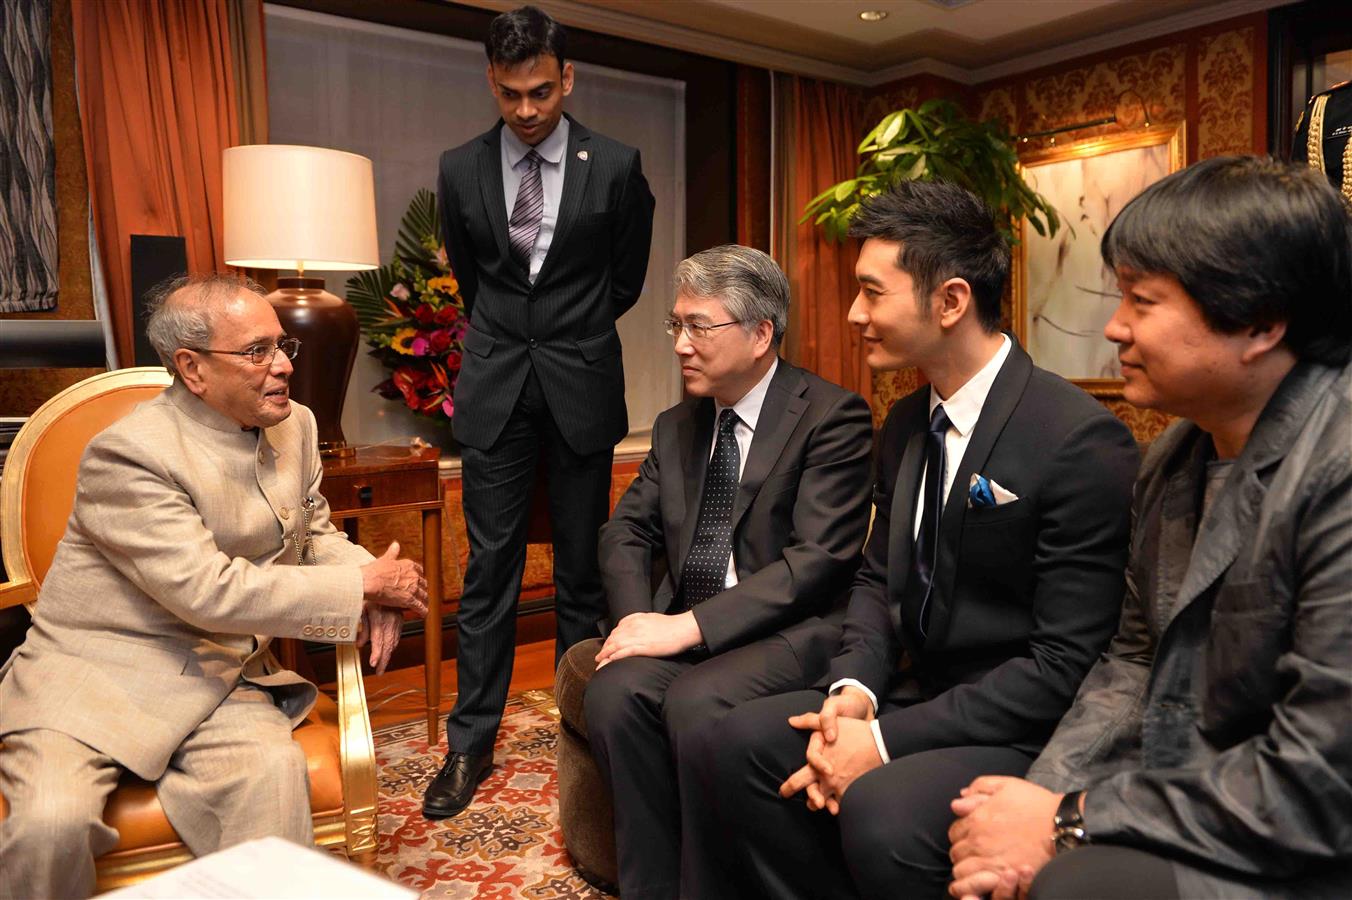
<point>981,494</point>
<point>986,493</point>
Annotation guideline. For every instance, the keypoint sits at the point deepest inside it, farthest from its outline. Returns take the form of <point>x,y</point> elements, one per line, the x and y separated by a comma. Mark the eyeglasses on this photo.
<point>697,331</point>
<point>261,354</point>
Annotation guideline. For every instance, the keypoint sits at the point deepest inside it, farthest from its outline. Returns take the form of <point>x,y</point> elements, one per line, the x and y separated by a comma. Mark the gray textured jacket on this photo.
<point>1217,728</point>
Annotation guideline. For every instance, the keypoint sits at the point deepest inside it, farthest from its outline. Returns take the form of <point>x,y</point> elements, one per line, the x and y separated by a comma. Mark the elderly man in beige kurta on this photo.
<point>181,560</point>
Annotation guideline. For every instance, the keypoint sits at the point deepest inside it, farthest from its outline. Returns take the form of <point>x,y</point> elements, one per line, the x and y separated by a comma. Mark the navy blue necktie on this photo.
<point>932,504</point>
<point>706,565</point>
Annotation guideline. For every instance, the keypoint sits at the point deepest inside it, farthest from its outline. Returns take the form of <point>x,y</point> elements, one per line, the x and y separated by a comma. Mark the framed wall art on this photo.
<point>1063,293</point>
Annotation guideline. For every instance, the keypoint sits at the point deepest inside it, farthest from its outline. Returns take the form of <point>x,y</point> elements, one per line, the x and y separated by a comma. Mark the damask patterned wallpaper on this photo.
<point>1213,78</point>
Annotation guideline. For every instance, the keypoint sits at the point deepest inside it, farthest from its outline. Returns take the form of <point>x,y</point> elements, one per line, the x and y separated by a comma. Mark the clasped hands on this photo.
<point>1002,837</point>
<point>390,586</point>
<point>840,749</point>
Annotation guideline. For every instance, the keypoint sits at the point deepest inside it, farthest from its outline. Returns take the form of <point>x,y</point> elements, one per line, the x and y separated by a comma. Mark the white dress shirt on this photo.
<point>553,158</point>
<point>748,411</point>
<point>963,409</point>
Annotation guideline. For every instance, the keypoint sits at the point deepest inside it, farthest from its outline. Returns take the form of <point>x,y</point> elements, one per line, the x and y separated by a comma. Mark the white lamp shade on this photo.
<point>289,207</point>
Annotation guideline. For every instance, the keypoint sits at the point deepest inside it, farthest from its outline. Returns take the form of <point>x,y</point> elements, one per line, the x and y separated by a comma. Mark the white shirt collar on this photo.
<point>748,409</point>
<point>551,149</point>
<point>964,407</point>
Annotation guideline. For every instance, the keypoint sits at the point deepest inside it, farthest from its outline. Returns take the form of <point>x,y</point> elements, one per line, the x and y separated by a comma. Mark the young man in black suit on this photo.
<point>547,227</point>
<point>991,581</point>
<point>751,509</point>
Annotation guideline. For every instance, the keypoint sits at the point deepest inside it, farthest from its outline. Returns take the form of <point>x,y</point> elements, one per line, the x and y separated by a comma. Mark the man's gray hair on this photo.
<point>181,312</point>
<point>749,283</point>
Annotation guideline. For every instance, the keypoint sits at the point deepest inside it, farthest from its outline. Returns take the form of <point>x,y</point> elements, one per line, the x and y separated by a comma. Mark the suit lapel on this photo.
<point>1004,396</point>
<point>490,185</point>
<point>576,172</point>
<point>1232,519</point>
<point>695,434</point>
<point>901,521</point>
<point>779,416</point>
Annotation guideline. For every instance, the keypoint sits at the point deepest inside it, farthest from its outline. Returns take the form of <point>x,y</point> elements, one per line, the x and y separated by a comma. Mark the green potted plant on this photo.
<point>937,142</point>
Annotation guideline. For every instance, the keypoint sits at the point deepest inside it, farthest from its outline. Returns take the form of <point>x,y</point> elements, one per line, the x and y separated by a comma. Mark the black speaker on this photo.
<point>154,258</point>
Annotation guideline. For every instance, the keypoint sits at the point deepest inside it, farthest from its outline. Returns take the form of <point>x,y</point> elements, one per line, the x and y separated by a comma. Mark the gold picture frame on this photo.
<point>1062,293</point>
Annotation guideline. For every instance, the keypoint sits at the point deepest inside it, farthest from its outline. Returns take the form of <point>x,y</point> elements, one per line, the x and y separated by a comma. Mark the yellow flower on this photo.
<point>444,283</point>
<point>403,340</point>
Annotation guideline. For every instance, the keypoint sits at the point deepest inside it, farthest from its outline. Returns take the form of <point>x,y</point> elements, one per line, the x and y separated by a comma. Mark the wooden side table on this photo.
<point>382,480</point>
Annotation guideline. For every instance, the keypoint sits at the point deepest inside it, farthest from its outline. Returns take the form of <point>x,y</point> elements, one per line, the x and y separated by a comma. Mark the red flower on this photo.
<point>446,315</point>
<point>424,314</point>
<point>453,360</point>
<point>440,340</point>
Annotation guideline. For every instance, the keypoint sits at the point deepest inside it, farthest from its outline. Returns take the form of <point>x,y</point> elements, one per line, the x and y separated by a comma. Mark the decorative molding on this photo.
<point>625,25</point>
<point>1089,46</point>
<point>637,28</point>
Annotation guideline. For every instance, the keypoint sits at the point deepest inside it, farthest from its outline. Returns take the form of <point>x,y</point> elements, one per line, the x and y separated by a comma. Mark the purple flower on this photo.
<point>420,346</point>
<point>448,407</point>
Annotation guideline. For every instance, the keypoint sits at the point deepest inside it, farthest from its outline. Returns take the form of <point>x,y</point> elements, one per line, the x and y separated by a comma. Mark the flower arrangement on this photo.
<point>412,315</point>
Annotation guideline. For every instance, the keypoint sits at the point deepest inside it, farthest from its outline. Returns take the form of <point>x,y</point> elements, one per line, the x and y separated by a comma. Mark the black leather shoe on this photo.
<point>453,788</point>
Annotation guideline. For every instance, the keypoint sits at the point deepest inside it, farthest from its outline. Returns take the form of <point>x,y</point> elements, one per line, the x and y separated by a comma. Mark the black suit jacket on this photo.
<point>1025,595</point>
<point>563,324</point>
<point>799,519</point>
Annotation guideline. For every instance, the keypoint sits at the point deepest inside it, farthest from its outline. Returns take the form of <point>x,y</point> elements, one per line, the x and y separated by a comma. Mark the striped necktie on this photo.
<point>524,226</point>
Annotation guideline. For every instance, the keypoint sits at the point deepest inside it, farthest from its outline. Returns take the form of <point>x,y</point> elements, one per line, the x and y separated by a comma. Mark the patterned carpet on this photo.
<point>507,843</point>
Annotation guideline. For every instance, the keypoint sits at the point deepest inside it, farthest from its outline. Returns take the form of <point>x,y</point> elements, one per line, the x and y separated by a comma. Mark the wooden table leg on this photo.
<point>432,628</point>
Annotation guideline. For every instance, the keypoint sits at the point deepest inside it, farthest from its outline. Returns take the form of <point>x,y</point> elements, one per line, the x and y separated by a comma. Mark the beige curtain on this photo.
<point>248,52</point>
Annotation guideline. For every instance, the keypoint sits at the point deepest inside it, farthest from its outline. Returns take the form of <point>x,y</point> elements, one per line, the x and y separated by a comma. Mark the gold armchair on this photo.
<point>36,495</point>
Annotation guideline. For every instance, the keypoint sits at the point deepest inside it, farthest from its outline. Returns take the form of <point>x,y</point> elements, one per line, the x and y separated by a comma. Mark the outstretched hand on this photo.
<point>394,582</point>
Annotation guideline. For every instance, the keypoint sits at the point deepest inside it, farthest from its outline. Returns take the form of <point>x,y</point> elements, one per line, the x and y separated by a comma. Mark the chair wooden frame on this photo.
<point>350,831</point>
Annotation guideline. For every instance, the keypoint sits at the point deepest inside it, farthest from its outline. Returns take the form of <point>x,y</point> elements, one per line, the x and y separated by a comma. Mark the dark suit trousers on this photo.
<point>497,497</point>
<point>890,839</point>
<point>653,726</point>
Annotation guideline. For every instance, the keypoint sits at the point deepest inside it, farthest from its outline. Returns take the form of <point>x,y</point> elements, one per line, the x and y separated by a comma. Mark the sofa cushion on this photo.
<point>570,683</point>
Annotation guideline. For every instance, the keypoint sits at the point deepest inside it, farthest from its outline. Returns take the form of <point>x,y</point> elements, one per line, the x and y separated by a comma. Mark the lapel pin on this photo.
<point>582,155</point>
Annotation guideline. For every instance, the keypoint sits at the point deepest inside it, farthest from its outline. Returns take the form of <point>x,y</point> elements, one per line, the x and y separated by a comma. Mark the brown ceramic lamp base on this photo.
<point>327,328</point>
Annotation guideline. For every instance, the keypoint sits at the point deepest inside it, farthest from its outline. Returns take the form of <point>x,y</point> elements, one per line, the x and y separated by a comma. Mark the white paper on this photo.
<point>269,868</point>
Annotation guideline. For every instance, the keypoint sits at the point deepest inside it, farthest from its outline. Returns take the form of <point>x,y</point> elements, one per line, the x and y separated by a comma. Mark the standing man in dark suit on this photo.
<point>547,228</point>
<point>752,505</point>
<point>992,579</point>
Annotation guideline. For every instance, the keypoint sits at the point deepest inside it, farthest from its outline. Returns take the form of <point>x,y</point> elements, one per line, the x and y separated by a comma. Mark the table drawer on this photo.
<point>353,492</point>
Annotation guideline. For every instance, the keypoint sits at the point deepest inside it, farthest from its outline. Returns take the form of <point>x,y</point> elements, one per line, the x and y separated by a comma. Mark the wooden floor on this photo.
<point>397,696</point>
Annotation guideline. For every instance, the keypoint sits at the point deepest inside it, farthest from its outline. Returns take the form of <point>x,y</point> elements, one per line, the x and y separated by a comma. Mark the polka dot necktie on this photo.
<point>524,225</point>
<point>927,539</point>
<point>706,565</point>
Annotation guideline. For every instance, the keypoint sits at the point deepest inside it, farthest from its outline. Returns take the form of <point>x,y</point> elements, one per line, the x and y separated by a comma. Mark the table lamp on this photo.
<point>289,207</point>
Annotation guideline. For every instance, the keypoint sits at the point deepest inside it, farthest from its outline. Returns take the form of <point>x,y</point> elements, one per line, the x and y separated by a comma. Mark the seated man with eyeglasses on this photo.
<point>745,522</point>
<point>198,530</point>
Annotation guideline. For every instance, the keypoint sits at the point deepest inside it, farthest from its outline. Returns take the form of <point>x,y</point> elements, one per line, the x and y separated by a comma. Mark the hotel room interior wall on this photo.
<point>401,97</point>
<point>1213,77</point>
<point>23,390</point>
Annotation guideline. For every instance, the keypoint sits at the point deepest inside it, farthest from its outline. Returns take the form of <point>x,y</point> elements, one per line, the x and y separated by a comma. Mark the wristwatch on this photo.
<point>1069,830</point>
